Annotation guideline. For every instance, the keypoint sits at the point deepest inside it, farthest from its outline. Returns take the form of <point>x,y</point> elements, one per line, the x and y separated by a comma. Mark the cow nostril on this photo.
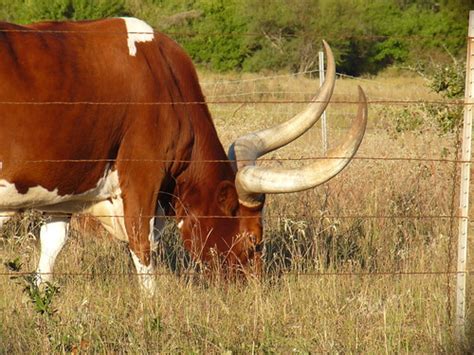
<point>258,247</point>
<point>253,238</point>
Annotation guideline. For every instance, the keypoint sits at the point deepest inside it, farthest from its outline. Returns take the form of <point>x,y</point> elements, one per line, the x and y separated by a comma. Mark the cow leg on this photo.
<point>53,236</point>
<point>145,274</point>
<point>139,222</point>
<point>110,213</point>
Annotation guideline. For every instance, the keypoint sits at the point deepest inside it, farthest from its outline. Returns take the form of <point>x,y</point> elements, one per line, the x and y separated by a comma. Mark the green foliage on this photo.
<point>408,119</point>
<point>252,35</point>
<point>27,11</point>
<point>41,298</point>
<point>448,81</point>
<point>219,34</point>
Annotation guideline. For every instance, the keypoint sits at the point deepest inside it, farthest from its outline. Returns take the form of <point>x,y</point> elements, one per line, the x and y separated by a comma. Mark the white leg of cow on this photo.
<point>53,235</point>
<point>145,275</point>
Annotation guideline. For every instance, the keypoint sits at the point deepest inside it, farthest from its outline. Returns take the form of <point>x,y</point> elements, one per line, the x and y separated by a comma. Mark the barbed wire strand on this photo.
<point>183,273</point>
<point>453,102</point>
<point>32,30</point>
<point>348,216</point>
<point>205,161</point>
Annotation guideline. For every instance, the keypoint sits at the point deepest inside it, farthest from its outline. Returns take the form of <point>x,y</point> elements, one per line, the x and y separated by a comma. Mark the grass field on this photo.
<point>331,253</point>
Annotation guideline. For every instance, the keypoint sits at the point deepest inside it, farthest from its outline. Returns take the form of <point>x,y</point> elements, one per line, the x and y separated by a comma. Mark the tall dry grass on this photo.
<point>354,266</point>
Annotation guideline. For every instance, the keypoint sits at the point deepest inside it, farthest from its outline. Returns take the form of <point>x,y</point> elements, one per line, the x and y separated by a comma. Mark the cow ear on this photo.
<point>227,198</point>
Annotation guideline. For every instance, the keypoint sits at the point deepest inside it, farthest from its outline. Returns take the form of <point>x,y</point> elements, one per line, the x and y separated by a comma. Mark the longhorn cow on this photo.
<point>107,117</point>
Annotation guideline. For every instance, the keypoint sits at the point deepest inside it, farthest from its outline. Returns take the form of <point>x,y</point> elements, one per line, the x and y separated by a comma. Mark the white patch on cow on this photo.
<point>151,234</point>
<point>145,275</point>
<point>40,198</point>
<point>110,213</point>
<point>180,224</point>
<point>138,31</point>
<point>53,235</point>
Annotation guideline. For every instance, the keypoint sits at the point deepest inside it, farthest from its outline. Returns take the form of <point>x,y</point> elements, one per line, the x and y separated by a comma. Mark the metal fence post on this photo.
<point>465,182</point>
<point>323,117</point>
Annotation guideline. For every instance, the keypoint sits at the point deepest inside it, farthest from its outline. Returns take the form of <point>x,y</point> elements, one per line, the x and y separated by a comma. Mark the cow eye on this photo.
<point>234,211</point>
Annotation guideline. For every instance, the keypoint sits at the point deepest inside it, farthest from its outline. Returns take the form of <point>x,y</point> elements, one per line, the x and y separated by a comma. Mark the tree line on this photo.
<point>253,35</point>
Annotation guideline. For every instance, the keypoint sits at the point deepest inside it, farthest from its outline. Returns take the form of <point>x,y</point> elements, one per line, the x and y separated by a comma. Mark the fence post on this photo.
<point>323,117</point>
<point>464,193</point>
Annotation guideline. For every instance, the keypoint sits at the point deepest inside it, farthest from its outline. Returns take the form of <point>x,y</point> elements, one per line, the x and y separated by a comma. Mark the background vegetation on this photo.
<point>252,35</point>
<point>349,267</point>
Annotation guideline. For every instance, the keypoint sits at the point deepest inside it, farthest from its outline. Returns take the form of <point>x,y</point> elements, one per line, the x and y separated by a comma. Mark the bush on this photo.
<point>366,36</point>
<point>448,81</point>
<point>27,11</point>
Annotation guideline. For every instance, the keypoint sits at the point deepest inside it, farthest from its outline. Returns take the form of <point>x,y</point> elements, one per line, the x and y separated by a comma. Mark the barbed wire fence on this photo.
<point>460,167</point>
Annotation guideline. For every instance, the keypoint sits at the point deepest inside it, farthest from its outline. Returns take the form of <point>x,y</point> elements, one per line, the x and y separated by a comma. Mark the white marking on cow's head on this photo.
<point>180,224</point>
<point>138,31</point>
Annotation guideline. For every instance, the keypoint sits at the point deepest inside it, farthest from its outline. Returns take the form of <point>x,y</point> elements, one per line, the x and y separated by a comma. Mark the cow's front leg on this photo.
<point>141,242</point>
<point>139,222</point>
<point>145,271</point>
<point>53,236</point>
<point>140,184</point>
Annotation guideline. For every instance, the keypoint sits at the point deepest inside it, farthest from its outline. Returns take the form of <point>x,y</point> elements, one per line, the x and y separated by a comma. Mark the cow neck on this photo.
<point>208,167</point>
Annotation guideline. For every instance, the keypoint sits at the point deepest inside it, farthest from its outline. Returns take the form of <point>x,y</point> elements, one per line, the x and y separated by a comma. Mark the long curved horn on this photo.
<point>252,181</point>
<point>247,149</point>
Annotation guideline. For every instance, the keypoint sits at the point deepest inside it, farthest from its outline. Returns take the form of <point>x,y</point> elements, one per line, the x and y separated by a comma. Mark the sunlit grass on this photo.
<point>331,253</point>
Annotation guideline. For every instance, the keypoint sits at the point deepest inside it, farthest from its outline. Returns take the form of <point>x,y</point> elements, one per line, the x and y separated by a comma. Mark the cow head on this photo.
<point>223,221</point>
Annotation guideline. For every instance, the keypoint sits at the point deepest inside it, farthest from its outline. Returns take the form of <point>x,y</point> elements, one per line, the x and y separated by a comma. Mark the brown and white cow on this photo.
<point>106,117</point>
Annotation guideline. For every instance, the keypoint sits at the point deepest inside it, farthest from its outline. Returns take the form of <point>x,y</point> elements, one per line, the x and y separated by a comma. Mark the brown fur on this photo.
<point>92,64</point>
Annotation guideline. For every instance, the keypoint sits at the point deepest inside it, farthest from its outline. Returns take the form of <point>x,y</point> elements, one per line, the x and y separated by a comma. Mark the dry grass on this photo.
<point>337,236</point>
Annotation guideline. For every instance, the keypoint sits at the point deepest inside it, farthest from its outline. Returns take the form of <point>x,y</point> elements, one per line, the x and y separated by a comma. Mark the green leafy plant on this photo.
<point>40,297</point>
<point>448,81</point>
<point>26,11</point>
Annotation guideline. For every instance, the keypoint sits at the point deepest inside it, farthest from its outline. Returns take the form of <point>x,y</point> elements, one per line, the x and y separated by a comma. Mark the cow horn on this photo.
<point>253,181</point>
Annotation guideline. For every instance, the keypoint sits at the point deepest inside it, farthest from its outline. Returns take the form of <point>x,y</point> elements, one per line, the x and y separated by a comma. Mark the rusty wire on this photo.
<point>452,102</point>
<point>28,30</point>
<point>407,159</point>
<point>188,273</point>
<point>349,216</point>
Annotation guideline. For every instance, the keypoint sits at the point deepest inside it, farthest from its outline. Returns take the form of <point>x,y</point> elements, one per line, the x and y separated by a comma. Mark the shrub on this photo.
<point>27,11</point>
